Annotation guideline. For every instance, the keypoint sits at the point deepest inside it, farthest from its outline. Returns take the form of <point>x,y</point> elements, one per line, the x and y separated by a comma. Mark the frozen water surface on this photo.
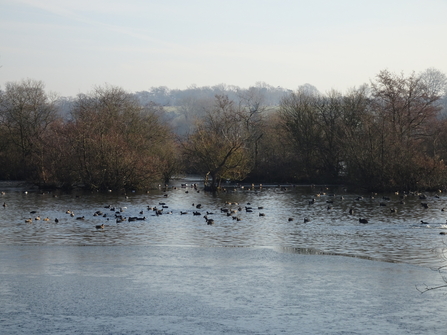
<point>194,290</point>
<point>173,274</point>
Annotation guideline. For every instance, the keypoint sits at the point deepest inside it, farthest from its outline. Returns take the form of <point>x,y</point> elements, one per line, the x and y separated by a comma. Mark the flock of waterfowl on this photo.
<point>230,209</point>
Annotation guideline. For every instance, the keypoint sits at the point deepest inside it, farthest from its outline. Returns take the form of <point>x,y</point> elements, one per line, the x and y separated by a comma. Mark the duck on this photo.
<point>100,226</point>
<point>363,220</point>
<point>29,220</point>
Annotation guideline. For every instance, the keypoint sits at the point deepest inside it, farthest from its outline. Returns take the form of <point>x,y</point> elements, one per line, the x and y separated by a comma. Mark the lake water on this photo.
<point>263,274</point>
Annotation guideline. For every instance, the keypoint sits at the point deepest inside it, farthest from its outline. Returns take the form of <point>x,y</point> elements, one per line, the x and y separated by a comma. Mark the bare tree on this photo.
<point>219,146</point>
<point>116,142</point>
<point>26,111</point>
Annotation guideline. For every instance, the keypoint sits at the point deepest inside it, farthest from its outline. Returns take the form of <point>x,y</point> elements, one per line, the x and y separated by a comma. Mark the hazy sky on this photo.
<point>73,46</point>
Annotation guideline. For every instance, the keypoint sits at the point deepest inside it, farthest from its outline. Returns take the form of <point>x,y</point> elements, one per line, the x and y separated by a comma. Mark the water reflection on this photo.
<point>392,235</point>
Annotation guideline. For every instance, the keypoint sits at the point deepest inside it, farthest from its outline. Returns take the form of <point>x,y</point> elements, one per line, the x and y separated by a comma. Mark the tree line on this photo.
<point>389,134</point>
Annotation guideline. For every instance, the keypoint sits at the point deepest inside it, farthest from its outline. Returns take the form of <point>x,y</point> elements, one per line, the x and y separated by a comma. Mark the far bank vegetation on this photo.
<point>390,134</point>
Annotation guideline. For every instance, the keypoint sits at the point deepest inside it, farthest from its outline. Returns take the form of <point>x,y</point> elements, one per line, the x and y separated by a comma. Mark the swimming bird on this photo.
<point>100,226</point>
<point>29,220</point>
<point>56,220</point>
<point>208,221</point>
<point>363,220</point>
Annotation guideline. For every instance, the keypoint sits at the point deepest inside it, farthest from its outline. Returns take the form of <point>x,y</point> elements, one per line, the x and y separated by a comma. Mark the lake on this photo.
<point>276,259</point>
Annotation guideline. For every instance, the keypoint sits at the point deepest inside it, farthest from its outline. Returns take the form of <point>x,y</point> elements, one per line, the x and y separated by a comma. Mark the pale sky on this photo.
<point>73,46</point>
